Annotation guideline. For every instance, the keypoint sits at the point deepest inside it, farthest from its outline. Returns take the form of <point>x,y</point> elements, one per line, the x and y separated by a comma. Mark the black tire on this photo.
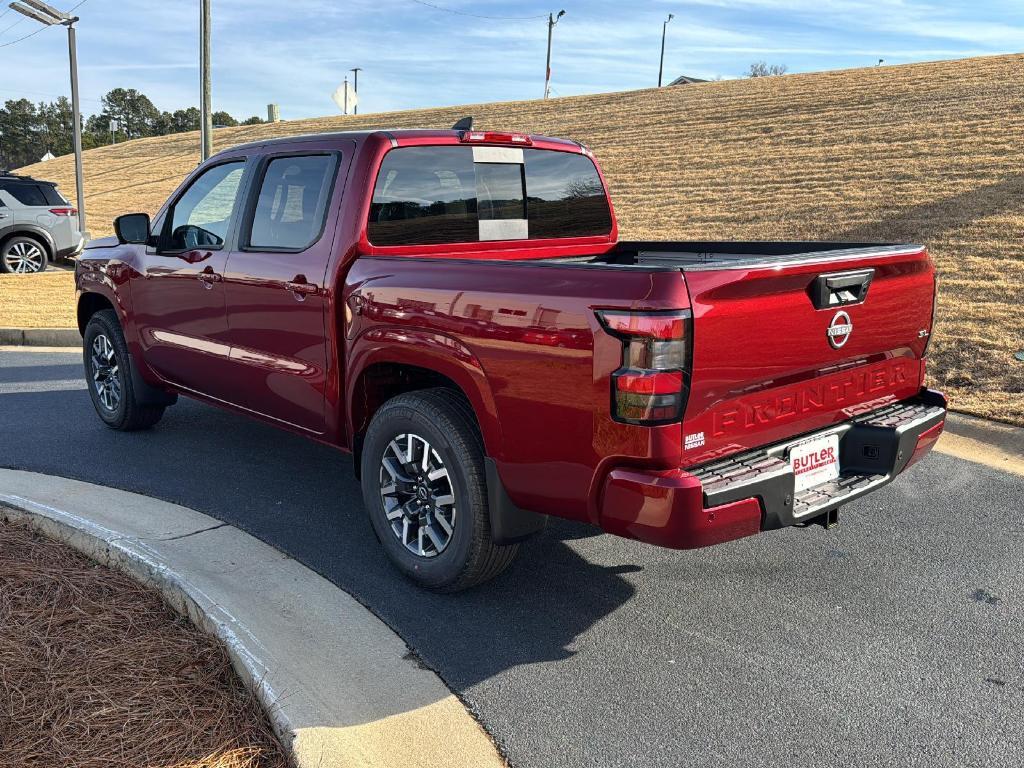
<point>444,419</point>
<point>127,414</point>
<point>34,252</point>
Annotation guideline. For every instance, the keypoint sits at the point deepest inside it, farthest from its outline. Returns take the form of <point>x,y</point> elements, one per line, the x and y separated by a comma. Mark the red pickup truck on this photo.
<point>455,309</point>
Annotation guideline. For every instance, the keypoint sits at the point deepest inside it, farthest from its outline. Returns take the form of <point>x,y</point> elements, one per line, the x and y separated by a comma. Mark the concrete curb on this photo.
<point>40,337</point>
<point>991,443</point>
<point>341,688</point>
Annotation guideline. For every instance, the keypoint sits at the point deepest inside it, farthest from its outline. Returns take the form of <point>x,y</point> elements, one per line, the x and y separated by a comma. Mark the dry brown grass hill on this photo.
<point>932,153</point>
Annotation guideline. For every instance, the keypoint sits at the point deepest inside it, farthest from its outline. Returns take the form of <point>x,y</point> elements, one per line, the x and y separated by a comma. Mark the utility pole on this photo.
<point>552,20</point>
<point>661,63</point>
<point>49,16</point>
<point>76,115</point>
<point>205,95</point>
<point>355,87</point>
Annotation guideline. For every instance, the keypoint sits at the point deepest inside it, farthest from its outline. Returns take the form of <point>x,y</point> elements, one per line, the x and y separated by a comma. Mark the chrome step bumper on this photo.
<point>873,449</point>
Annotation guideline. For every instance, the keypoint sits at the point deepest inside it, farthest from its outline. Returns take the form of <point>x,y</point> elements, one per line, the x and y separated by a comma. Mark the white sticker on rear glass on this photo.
<point>504,229</point>
<point>498,155</point>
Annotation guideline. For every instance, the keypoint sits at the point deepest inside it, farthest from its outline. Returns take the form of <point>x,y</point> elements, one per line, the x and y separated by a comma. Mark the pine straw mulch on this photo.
<point>95,670</point>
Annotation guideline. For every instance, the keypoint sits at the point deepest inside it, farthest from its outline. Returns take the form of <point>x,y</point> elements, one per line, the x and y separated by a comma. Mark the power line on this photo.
<point>5,30</point>
<point>26,37</point>
<point>478,15</point>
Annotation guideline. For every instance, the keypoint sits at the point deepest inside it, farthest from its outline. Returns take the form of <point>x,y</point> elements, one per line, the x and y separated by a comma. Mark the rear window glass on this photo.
<point>427,195</point>
<point>34,194</point>
<point>424,195</point>
<point>565,196</point>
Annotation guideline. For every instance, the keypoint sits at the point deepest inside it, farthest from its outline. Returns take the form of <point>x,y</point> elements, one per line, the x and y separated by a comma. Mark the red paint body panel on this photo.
<point>666,508</point>
<point>763,368</point>
<point>529,340</point>
<point>516,331</point>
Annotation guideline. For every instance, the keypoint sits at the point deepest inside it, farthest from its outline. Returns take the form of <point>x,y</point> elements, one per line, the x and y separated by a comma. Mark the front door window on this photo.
<point>202,215</point>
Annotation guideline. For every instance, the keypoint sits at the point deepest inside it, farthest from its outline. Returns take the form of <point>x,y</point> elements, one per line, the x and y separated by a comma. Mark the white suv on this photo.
<point>37,225</point>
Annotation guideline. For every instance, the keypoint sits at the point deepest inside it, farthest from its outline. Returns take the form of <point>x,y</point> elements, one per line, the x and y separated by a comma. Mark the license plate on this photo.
<point>815,461</point>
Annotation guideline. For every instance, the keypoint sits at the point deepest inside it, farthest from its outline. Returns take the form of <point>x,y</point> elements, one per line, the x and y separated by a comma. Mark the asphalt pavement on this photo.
<point>896,639</point>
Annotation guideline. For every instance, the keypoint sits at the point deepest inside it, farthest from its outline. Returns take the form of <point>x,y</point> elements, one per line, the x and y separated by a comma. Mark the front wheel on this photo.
<point>108,375</point>
<point>425,490</point>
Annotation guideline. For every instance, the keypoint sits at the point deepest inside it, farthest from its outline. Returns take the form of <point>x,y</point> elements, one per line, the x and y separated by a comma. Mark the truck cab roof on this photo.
<point>406,136</point>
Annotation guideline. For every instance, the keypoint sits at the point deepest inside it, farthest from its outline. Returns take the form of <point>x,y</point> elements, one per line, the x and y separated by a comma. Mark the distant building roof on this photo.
<point>47,157</point>
<point>685,80</point>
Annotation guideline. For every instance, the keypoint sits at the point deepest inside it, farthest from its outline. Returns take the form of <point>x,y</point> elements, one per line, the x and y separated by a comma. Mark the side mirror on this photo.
<point>132,228</point>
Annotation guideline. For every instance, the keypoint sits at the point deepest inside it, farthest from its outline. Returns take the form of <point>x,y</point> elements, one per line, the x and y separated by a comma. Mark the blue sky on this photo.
<point>295,52</point>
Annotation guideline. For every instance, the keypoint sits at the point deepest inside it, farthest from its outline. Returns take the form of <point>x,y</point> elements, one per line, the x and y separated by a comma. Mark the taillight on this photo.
<point>493,137</point>
<point>64,211</point>
<point>651,386</point>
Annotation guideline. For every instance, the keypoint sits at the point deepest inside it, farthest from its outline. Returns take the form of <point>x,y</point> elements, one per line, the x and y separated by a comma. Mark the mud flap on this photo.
<point>145,392</point>
<point>509,523</point>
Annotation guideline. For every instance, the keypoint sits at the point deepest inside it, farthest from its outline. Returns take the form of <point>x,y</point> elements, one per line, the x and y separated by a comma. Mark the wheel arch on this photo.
<point>37,233</point>
<point>89,303</point>
<point>409,361</point>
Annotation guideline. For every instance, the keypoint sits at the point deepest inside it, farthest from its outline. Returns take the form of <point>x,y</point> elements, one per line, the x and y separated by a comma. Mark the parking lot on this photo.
<point>894,640</point>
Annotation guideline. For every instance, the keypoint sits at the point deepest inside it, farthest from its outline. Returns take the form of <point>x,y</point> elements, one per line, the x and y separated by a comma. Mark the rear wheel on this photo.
<point>108,375</point>
<point>22,255</point>
<point>425,490</point>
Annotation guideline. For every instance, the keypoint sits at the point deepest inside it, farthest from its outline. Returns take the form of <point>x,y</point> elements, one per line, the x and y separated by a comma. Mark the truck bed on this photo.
<point>764,365</point>
<point>694,255</point>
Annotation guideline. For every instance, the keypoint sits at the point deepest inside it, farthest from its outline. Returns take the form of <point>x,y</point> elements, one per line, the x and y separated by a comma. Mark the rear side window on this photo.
<point>292,204</point>
<point>53,197</point>
<point>461,194</point>
<point>29,194</point>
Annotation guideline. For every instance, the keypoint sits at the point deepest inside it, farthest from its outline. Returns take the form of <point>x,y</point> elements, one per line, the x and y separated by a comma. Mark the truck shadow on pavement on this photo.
<point>303,499</point>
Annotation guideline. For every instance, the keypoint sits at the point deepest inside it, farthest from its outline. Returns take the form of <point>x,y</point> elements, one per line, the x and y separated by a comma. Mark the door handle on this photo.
<point>208,277</point>
<point>837,289</point>
<point>301,288</point>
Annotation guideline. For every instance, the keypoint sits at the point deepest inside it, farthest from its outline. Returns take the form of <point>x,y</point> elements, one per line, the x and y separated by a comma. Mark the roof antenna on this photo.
<point>465,124</point>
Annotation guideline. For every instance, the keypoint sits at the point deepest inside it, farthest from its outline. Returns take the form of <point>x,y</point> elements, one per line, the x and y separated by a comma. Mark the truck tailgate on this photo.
<point>784,348</point>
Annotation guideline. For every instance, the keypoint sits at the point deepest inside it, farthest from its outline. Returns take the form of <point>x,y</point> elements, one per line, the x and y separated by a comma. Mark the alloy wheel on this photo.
<point>23,256</point>
<point>106,378</point>
<point>417,494</point>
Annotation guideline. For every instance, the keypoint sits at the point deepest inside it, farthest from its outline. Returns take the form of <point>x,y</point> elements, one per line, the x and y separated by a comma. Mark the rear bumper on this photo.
<point>754,491</point>
<point>72,250</point>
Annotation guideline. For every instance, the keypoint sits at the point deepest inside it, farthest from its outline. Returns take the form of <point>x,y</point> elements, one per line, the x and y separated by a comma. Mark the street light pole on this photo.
<point>661,63</point>
<point>49,16</point>
<point>205,89</point>
<point>552,20</point>
<point>355,87</point>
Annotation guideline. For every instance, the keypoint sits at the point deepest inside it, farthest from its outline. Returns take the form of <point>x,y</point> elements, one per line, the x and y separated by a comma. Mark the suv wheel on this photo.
<point>22,255</point>
<point>425,490</point>
<point>108,374</point>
